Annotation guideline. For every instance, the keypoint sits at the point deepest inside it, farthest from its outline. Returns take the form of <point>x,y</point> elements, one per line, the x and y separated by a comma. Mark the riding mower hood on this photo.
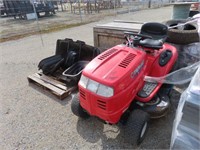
<point>112,85</point>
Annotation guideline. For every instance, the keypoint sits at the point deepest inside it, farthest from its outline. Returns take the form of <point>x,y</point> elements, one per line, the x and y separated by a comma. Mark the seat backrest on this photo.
<point>62,46</point>
<point>156,30</point>
<point>89,52</point>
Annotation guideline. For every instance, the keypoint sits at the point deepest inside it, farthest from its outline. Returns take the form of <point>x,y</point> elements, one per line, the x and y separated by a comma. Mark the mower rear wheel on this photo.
<point>136,127</point>
<point>77,109</point>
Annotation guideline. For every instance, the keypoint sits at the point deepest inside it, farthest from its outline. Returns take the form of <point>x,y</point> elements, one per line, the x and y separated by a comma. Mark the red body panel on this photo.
<point>155,70</point>
<point>118,68</point>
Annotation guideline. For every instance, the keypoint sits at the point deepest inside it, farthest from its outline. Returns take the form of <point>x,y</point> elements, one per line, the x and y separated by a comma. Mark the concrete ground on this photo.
<point>31,118</point>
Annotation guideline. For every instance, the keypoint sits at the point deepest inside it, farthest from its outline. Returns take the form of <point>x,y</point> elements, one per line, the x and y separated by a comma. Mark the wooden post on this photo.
<point>61,5</point>
<point>149,4</point>
<point>90,4</point>
<point>95,6</point>
<point>79,8</point>
<point>87,7</point>
<point>98,5</point>
<point>71,5</point>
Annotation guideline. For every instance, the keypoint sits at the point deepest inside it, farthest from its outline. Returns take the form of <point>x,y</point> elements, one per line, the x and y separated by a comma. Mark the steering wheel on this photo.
<point>138,35</point>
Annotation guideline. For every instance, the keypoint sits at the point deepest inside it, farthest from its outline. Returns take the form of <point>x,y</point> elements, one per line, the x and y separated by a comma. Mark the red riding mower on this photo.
<point>112,85</point>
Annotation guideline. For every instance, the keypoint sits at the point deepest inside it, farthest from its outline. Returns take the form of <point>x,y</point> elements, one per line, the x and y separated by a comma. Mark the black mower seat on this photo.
<point>150,43</point>
<point>157,31</point>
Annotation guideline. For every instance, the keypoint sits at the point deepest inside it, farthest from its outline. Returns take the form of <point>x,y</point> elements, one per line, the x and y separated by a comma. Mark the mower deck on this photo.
<point>49,83</point>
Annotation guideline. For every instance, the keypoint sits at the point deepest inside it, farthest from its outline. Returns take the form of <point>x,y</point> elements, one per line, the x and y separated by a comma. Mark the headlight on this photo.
<point>96,87</point>
<point>92,86</point>
<point>83,81</point>
<point>105,91</point>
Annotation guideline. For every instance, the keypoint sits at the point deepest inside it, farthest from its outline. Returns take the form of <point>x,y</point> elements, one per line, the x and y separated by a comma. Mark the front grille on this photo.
<point>127,60</point>
<point>101,104</point>
<point>82,94</point>
<point>106,54</point>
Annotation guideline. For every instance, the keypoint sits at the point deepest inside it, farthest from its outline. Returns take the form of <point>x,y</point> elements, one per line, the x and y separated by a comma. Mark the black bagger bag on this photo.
<point>68,52</point>
<point>50,64</point>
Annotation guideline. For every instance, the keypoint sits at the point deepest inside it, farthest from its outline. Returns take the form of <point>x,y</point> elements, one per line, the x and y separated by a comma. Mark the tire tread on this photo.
<point>77,109</point>
<point>134,126</point>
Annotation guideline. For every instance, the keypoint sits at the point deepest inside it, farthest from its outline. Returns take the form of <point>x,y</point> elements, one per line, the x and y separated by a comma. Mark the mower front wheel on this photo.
<point>136,127</point>
<point>77,109</point>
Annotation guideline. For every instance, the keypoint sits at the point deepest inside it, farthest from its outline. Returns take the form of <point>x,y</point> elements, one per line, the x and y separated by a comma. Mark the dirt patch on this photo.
<point>46,30</point>
<point>12,29</point>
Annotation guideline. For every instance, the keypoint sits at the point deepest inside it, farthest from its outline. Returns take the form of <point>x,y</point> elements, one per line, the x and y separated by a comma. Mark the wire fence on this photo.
<point>33,16</point>
<point>23,7</point>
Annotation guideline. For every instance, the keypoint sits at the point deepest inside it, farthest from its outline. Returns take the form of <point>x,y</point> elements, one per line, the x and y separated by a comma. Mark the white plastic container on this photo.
<point>186,128</point>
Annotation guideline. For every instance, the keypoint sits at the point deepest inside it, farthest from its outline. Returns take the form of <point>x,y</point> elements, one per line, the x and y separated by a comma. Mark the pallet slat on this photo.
<point>54,82</point>
<point>55,87</point>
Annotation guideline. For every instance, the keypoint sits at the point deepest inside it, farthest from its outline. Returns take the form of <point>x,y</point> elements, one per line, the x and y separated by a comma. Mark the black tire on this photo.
<point>136,127</point>
<point>193,12</point>
<point>77,109</point>
<point>186,36</point>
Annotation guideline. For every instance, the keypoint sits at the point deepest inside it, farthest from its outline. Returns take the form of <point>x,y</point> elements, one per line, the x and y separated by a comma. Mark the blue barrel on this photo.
<point>181,11</point>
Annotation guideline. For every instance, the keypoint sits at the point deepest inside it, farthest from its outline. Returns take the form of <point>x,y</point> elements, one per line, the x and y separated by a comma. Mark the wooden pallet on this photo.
<point>49,83</point>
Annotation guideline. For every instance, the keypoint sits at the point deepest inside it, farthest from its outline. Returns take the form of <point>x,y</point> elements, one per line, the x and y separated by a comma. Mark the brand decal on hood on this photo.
<point>137,70</point>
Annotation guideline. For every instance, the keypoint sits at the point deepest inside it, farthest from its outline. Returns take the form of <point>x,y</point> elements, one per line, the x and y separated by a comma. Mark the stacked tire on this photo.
<point>182,35</point>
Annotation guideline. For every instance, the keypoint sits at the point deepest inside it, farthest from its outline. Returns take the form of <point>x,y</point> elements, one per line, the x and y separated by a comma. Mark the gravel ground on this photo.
<point>31,118</point>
